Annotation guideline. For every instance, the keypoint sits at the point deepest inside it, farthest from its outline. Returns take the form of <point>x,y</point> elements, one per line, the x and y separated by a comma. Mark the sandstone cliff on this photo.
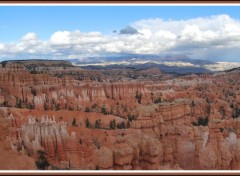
<point>190,122</point>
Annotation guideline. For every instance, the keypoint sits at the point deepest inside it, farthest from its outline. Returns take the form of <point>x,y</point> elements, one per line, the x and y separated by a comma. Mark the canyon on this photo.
<point>56,116</point>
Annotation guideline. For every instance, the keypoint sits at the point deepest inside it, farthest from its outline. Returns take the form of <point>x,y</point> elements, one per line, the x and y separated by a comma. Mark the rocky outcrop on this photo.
<point>147,147</point>
<point>104,158</point>
<point>20,88</point>
<point>151,153</point>
<point>11,159</point>
<point>188,123</point>
<point>173,111</point>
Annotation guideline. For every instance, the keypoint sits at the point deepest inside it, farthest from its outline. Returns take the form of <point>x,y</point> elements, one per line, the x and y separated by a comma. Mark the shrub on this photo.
<point>96,143</point>
<point>158,100</point>
<point>131,117</point>
<point>194,123</point>
<point>70,108</point>
<point>222,111</point>
<point>121,125</point>
<point>94,106</point>
<point>201,121</point>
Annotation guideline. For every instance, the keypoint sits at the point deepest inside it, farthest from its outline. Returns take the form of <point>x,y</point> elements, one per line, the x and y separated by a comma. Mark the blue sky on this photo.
<point>45,20</point>
<point>41,23</point>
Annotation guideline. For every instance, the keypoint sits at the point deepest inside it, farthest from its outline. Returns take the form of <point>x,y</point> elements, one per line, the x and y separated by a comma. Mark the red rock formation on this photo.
<point>186,123</point>
<point>10,159</point>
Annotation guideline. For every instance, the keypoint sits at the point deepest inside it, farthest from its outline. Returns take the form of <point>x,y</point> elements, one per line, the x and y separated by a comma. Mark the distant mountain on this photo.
<point>38,65</point>
<point>40,62</point>
<point>162,67</point>
<point>171,64</point>
<point>134,58</point>
<point>179,64</point>
<point>233,70</point>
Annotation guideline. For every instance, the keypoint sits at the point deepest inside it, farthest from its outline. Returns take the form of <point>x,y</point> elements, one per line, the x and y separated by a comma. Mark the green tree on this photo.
<point>74,123</point>
<point>87,109</point>
<point>34,91</point>
<point>57,107</point>
<point>45,107</point>
<point>193,103</point>
<point>112,124</point>
<point>201,121</point>
<point>87,123</point>
<point>158,100</point>
<point>128,124</point>
<point>121,125</point>
<point>97,123</point>
<point>236,112</point>
<point>222,111</point>
<point>18,103</point>
<point>42,162</point>
<point>111,111</point>
<point>104,110</point>
<point>138,96</point>
<point>131,117</point>
<point>5,104</point>
<point>94,106</point>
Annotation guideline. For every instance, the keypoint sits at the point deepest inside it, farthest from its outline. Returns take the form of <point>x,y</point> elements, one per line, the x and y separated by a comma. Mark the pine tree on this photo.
<point>112,124</point>
<point>74,123</point>
<point>97,124</point>
<point>87,123</point>
<point>42,162</point>
<point>128,124</point>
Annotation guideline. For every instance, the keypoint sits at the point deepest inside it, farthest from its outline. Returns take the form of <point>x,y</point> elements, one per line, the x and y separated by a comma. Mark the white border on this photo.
<point>122,171</point>
<point>121,4</point>
<point>2,4</point>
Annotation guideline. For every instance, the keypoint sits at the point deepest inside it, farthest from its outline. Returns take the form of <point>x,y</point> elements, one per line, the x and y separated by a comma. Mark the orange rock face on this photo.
<point>189,122</point>
<point>11,159</point>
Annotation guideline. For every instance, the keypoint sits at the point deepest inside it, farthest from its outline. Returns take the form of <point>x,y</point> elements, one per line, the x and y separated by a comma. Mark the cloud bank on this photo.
<point>214,38</point>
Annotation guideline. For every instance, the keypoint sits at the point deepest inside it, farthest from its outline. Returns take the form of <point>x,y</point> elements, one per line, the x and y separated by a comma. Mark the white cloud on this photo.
<point>76,38</point>
<point>60,38</point>
<point>210,29</point>
<point>211,37</point>
<point>1,46</point>
<point>29,36</point>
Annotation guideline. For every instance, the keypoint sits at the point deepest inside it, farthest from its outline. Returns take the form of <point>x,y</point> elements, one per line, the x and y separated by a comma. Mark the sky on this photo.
<point>78,32</point>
